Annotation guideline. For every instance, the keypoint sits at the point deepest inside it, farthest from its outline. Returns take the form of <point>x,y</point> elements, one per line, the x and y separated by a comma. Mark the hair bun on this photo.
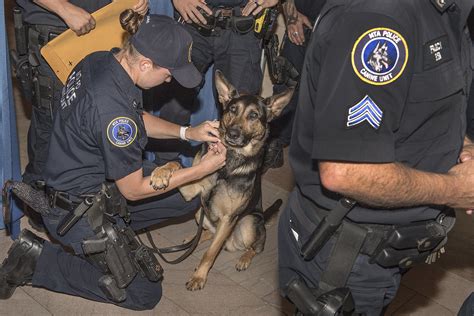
<point>130,21</point>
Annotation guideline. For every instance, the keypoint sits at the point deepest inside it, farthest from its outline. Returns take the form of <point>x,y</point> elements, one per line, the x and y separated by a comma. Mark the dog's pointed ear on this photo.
<point>276,103</point>
<point>225,90</point>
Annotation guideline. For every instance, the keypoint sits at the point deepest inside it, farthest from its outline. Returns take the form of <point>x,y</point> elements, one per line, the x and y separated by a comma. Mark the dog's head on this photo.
<point>245,117</point>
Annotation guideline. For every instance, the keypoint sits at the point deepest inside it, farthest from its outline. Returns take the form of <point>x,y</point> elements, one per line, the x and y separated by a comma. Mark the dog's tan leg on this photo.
<point>245,260</point>
<point>199,277</point>
<point>205,236</point>
<point>160,177</point>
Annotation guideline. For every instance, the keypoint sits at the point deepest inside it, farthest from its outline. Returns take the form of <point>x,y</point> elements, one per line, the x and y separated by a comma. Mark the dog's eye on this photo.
<point>233,108</point>
<point>253,115</point>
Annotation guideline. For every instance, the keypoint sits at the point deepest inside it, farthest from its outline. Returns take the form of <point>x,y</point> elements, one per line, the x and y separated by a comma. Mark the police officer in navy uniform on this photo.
<point>233,50</point>
<point>381,120</point>
<point>299,17</point>
<point>46,19</point>
<point>99,134</point>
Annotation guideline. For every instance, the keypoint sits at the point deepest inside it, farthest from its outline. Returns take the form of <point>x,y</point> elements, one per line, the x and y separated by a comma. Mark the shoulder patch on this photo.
<point>122,131</point>
<point>365,111</point>
<point>379,56</point>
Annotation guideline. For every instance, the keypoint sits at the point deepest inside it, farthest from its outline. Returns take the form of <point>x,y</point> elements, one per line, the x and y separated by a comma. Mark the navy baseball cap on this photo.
<point>168,45</point>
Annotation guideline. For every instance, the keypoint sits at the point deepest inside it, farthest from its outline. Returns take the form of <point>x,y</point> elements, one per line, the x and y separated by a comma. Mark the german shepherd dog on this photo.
<point>230,196</point>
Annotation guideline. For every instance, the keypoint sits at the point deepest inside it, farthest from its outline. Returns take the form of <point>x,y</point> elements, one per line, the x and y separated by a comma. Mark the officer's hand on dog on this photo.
<point>77,19</point>
<point>205,132</point>
<point>295,23</point>
<point>214,159</point>
<point>141,7</point>
<point>254,7</point>
<point>188,9</point>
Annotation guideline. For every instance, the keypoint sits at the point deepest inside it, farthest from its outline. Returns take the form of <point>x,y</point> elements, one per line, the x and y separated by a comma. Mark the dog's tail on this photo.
<point>271,212</point>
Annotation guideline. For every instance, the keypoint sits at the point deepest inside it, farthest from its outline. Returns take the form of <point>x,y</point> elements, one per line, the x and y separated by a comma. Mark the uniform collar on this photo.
<point>442,5</point>
<point>124,82</point>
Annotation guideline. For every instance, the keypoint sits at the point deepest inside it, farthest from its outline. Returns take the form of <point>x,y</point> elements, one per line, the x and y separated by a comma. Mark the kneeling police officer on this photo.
<point>95,163</point>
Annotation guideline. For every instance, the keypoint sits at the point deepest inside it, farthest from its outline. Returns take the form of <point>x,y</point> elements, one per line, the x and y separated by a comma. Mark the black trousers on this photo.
<point>236,55</point>
<point>372,286</point>
<point>65,272</point>
<point>282,126</point>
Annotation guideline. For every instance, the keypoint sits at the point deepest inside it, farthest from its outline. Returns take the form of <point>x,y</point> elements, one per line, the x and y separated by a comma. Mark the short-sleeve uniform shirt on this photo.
<point>383,81</point>
<point>98,131</point>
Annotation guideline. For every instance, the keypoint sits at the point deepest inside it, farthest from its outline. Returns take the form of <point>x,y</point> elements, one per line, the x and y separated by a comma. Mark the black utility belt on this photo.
<point>223,19</point>
<point>42,34</point>
<point>394,245</point>
<point>404,245</point>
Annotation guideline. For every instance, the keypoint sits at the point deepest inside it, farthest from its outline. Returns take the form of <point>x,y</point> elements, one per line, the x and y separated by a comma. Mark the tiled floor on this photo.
<point>432,290</point>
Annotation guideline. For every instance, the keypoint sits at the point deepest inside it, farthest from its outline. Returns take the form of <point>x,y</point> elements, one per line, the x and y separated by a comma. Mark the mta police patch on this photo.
<point>379,56</point>
<point>365,111</point>
<point>122,131</point>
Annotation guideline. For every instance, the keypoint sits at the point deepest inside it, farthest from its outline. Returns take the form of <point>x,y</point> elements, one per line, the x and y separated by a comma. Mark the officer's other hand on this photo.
<point>295,25</point>
<point>188,9</point>
<point>467,153</point>
<point>141,7</point>
<point>463,185</point>
<point>214,159</point>
<point>77,19</point>
<point>254,7</point>
<point>205,132</point>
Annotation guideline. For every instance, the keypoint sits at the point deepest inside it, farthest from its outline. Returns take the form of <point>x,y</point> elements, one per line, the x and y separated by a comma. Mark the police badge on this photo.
<point>379,56</point>
<point>122,131</point>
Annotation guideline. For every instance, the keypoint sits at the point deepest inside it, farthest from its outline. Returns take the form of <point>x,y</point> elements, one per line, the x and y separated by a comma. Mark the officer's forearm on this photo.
<point>387,185</point>
<point>56,6</point>
<point>159,128</point>
<point>135,187</point>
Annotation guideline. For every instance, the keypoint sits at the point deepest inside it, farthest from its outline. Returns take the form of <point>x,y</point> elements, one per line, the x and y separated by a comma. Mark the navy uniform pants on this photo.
<point>236,55</point>
<point>68,272</point>
<point>372,286</point>
<point>281,127</point>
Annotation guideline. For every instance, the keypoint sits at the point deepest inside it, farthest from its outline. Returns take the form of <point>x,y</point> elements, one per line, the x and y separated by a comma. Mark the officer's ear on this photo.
<point>145,64</point>
<point>276,103</point>
<point>225,90</point>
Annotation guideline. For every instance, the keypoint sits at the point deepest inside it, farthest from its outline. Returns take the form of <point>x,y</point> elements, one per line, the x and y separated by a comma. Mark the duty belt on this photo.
<point>41,34</point>
<point>63,200</point>
<point>222,19</point>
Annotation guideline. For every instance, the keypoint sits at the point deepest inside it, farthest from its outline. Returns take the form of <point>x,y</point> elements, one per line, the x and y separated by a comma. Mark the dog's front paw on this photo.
<point>160,177</point>
<point>243,264</point>
<point>195,283</point>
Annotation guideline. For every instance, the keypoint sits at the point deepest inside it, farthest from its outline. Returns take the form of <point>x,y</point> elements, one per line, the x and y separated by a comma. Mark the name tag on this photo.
<point>436,52</point>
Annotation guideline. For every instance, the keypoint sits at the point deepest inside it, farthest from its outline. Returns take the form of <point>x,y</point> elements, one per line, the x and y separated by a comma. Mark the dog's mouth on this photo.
<point>235,142</point>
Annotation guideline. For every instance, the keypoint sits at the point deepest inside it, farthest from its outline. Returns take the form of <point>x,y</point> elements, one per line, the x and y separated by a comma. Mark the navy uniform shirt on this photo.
<point>34,14</point>
<point>383,82</point>
<point>98,131</point>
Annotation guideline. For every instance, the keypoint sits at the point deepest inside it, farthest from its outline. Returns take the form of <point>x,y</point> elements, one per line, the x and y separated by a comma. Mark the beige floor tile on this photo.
<point>440,286</point>
<point>404,294</point>
<point>281,177</point>
<point>22,304</point>
<point>220,295</point>
<point>422,306</point>
<point>275,299</point>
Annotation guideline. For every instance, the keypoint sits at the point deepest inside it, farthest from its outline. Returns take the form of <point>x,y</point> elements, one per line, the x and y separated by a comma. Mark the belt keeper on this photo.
<point>182,133</point>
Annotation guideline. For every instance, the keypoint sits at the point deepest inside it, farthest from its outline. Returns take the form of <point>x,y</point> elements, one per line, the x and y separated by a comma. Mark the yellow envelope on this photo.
<point>65,51</point>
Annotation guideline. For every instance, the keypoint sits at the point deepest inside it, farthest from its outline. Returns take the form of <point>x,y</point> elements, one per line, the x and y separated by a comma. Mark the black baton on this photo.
<point>326,228</point>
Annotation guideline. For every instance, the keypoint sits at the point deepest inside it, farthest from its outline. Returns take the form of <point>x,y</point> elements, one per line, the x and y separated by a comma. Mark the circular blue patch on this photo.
<point>379,56</point>
<point>122,131</point>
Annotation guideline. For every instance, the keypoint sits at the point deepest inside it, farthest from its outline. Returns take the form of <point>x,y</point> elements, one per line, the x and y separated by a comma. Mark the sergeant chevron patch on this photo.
<point>365,110</point>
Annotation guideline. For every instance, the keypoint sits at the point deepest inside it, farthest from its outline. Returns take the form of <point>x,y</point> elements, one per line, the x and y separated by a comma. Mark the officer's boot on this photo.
<point>18,268</point>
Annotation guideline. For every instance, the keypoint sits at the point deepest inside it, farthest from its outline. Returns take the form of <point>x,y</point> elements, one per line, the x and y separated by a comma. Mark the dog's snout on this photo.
<point>233,133</point>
